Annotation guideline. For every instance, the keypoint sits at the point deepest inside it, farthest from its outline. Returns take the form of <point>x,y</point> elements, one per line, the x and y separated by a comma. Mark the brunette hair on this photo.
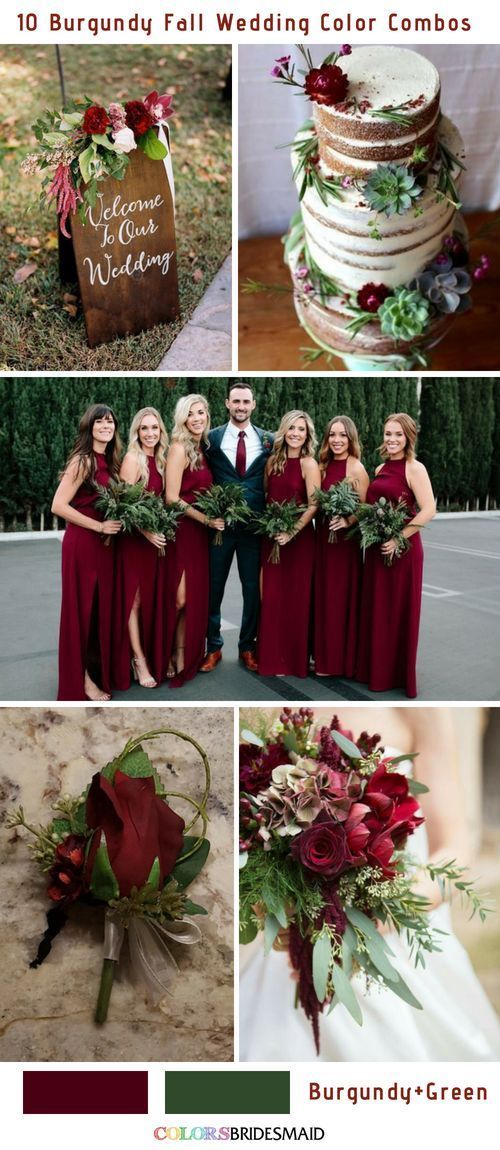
<point>410,429</point>
<point>353,445</point>
<point>180,433</point>
<point>135,447</point>
<point>279,454</point>
<point>83,447</point>
<point>234,383</point>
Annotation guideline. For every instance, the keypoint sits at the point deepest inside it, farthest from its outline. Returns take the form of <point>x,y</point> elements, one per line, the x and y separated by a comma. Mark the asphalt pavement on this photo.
<point>459,637</point>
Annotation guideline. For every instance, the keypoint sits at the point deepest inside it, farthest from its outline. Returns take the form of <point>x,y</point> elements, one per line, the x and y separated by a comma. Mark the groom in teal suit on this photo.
<point>238,453</point>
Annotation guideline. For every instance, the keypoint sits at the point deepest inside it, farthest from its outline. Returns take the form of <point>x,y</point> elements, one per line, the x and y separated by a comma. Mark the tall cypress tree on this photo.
<point>441,436</point>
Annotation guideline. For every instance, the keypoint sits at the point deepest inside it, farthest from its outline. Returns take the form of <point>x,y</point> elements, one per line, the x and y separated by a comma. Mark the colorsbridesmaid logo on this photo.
<point>239,1133</point>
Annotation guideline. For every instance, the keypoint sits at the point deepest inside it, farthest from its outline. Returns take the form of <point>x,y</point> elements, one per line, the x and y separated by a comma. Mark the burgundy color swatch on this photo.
<point>85,1092</point>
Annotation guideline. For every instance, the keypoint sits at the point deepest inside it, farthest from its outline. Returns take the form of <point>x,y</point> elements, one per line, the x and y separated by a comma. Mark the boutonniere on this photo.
<point>267,442</point>
<point>120,848</point>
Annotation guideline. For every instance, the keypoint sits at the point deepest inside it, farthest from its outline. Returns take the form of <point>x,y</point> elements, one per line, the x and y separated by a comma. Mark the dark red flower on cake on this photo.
<point>326,85</point>
<point>137,826</point>
<point>95,120</point>
<point>67,873</point>
<point>371,296</point>
<point>137,117</point>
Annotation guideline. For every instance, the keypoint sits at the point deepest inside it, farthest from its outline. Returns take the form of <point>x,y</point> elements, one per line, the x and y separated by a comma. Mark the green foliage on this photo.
<point>103,884</point>
<point>186,869</point>
<point>340,499</point>
<point>404,315</point>
<point>380,521</point>
<point>225,502</point>
<point>391,188</point>
<point>277,518</point>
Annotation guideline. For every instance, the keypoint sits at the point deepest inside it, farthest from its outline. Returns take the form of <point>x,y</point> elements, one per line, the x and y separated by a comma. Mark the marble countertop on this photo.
<point>47,1013</point>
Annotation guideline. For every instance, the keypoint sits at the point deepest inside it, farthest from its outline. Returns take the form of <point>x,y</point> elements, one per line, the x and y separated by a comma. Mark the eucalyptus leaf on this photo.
<point>275,905</point>
<point>345,993</point>
<point>410,755</point>
<point>194,907</point>
<point>250,737</point>
<point>185,871</point>
<point>350,749</point>
<point>380,960</point>
<point>271,928</point>
<point>321,955</point>
<point>366,925</point>
<point>403,991</point>
<point>248,931</point>
<point>416,788</point>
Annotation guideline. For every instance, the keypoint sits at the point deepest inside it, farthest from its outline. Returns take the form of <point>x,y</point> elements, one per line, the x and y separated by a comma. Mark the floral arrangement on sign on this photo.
<point>84,143</point>
<point>138,509</point>
<point>120,847</point>
<point>406,312</point>
<point>326,828</point>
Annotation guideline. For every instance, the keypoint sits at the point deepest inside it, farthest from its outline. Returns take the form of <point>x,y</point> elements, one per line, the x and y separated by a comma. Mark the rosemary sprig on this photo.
<point>254,287</point>
<point>394,114</point>
<point>446,186</point>
<point>448,876</point>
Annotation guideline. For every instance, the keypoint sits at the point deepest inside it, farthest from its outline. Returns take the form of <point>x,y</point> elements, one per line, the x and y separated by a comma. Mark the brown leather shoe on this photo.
<point>210,661</point>
<point>249,660</point>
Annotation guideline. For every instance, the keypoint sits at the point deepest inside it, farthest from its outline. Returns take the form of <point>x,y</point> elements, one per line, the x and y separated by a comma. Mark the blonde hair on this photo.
<point>279,454</point>
<point>180,433</point>
<point>410,429</point>
<point>353,446</point>
<point>134,443</point>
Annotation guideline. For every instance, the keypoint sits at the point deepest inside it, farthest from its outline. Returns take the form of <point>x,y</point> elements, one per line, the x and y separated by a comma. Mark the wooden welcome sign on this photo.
<point>125,251</point>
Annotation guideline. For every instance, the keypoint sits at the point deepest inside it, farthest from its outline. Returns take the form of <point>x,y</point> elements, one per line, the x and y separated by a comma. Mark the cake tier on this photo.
<point>352,140</point>
<point>341,242</point>
<point>327,325</point>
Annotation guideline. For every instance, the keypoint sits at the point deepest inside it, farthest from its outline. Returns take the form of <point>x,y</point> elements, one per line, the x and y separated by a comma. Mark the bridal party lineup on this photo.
<point>329,560</point>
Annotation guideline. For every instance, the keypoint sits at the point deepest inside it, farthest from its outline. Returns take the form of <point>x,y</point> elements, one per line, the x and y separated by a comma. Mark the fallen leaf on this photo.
<point>198,275</point>
<point>22,273</point>
<point>51,242</point>
<point>68,298</point>
<point>11,231</point>
<point>70,308</point>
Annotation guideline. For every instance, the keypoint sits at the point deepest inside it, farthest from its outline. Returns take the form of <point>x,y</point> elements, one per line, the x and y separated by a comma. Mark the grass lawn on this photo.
<point>39,327</point>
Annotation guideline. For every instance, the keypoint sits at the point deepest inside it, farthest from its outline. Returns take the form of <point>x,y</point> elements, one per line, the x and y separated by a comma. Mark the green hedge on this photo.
<point>459,418</point>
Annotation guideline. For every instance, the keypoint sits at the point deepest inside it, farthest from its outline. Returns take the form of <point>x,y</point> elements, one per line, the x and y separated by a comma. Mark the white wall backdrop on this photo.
<point>269,115</point>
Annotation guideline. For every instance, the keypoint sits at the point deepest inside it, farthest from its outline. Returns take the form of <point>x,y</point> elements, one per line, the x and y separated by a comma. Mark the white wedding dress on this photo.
<point>456,1024</point>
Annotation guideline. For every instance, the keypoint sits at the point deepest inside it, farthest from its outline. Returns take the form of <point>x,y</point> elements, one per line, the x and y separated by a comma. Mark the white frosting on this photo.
<point>341,243</point>
<point>387,76</point>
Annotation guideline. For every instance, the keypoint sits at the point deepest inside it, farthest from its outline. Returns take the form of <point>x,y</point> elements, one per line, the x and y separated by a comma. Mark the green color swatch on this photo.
<point>227,1092</point>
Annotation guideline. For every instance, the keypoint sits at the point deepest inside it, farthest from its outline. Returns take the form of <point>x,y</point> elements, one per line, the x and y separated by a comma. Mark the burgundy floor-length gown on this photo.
<point>87,594</point>
<point>139,567</point>
<point>189,554</point>
<point>284,626</point>
<point>337,591</point>
<point>391,598</point>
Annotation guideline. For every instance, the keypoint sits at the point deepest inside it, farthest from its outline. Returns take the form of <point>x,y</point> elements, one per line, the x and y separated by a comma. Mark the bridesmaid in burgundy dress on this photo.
<point>338,565</point>
<point>286,587</point>
<point>188,473</point>
<point>140,568</point>
<point>87,564</point>
<point>391,596</point>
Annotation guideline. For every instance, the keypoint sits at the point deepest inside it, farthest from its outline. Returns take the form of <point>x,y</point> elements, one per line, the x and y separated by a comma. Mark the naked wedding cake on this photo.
<point>378,251</point>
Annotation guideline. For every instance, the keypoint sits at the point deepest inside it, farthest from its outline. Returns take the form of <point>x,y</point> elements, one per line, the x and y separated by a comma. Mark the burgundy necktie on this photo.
<point>241,454</point>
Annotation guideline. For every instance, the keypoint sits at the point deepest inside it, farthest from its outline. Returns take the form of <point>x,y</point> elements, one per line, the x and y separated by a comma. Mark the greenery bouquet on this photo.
<point>223,501</point>
<point>341,499</point>
<point>380,521</point>
<point>275,519</point>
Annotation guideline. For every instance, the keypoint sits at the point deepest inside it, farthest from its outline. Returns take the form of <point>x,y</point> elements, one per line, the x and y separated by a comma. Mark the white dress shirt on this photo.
<point>229,443</point>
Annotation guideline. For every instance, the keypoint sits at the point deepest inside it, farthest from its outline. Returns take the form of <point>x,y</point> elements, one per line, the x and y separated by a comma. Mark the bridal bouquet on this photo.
<point>223,501</point>
<point>120,847</point>
<point>275,519</point>
<point>85,142</point>
<point>325,828</point>
<point>380,521</point>
<point>341,499</point>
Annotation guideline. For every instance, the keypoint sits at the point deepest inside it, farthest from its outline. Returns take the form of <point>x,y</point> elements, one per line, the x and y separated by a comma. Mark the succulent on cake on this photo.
<point>404,315</point>
<point>446,286</point>
<point>392,188</point>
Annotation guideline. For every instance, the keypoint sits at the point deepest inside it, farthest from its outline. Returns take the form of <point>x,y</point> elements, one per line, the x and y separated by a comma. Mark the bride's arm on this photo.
<point>434,737</point>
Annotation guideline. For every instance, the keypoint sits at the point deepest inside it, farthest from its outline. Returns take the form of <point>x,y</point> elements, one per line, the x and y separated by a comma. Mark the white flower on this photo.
<point>124,140</point>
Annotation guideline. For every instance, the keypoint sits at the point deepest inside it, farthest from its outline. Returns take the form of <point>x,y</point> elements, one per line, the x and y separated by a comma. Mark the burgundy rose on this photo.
<point>326,85</point>
<point>138,827</point>
<point>371,296</point>
<point>137,117</point>
<point>67,873</point>
<point>95,120</point>
<point>323,848</point>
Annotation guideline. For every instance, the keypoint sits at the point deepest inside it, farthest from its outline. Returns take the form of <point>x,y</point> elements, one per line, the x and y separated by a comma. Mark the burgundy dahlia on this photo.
<point>137,117</point>
<point>326,85</point>
<point>95,120</point>
<point>371,296</point>
<point>256,766</point>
